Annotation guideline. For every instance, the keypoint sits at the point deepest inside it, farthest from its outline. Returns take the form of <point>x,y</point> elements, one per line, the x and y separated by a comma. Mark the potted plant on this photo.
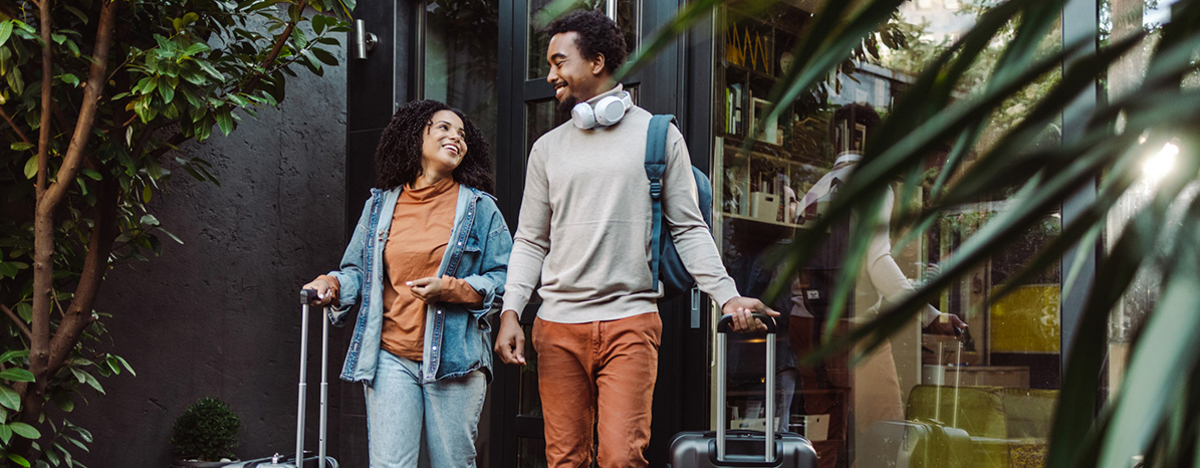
<point>205,434</point>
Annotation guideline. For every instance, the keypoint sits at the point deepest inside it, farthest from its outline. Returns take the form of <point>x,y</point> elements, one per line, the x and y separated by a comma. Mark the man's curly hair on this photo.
<point>598,35</point>
<point>398,157</point>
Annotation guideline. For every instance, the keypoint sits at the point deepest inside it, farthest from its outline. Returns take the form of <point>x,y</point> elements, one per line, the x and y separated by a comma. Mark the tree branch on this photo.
<point>47,75</point>
<point>87,111</point>
<point>14,126</point>
<point>16,320</point>
<point>172,143</point>
<point>283,37</point>
<point>79,313</point>
<point>43,234</point>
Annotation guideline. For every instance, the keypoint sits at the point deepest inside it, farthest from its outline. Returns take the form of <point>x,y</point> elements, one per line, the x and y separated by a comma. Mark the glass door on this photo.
<point>996,383</point>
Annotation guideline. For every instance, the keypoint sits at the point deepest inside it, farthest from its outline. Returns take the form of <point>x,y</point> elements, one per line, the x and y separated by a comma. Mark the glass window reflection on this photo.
<point>986,390</point>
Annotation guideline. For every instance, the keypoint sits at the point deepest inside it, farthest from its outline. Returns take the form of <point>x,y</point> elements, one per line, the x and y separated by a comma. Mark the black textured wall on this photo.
<point>219,315</point>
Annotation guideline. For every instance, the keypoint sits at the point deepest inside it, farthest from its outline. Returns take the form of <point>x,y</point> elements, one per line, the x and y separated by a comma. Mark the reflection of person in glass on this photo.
<point>584,232</point>
<point>880,283</point>
<point>426,262</point>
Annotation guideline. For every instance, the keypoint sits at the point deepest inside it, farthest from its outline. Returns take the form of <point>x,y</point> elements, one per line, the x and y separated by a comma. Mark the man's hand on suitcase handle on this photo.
<point>510,340</point>
<point>742,309</point>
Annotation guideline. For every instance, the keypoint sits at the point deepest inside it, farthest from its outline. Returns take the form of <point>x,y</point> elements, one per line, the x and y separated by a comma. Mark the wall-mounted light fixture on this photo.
<point>364,42</point>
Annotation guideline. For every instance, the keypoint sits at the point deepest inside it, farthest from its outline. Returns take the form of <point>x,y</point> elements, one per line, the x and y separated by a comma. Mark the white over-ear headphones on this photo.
<point>607,111</point>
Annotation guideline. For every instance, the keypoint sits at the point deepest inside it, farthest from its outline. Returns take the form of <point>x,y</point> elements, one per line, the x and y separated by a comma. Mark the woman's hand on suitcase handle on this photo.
<point>510,340</point>
<point>324,292</point>
<point>742,309</point>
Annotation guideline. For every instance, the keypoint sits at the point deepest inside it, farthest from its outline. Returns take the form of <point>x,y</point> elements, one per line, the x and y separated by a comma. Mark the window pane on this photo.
<point>628,16</point>
<point>1120,19</point>
<point>997,382</point>
<point>460,59</point>
<point>541,117</point>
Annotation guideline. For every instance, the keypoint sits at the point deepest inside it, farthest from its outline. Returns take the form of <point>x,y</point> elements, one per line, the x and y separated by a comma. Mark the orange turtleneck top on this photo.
<point>417,240</point>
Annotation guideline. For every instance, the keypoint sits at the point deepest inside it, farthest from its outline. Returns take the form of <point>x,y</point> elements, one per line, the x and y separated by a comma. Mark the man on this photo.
<point>584,232</point>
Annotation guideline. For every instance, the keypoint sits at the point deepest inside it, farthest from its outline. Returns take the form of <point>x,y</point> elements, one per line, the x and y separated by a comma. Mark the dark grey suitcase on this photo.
<point>723,448</point>
<point>307,461</point>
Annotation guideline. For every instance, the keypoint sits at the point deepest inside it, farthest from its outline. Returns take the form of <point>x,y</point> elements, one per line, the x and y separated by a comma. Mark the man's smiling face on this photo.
<point>575,78</point>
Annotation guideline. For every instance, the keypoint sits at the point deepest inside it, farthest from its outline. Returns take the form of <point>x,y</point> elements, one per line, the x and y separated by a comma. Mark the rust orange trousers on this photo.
<point>597,374</point>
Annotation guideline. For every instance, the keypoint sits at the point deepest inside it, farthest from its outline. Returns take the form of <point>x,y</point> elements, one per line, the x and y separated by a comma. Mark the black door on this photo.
<point>526,112</point>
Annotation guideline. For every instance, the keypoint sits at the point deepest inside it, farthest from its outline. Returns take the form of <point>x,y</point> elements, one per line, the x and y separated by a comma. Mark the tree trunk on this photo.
<point>45,356</point>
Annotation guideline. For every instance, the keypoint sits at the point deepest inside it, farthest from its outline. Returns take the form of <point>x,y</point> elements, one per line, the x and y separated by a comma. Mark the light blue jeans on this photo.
<point>399,406</point>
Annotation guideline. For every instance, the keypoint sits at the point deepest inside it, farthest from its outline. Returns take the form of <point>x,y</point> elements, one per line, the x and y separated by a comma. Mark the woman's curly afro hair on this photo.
<point>598,35</point>
<point>398,157</point>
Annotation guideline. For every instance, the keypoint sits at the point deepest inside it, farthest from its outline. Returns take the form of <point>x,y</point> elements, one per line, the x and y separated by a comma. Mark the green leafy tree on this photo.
<point>96,98</point>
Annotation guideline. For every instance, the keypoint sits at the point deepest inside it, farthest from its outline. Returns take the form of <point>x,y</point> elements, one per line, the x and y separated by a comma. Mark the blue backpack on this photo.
<point>665,264</point>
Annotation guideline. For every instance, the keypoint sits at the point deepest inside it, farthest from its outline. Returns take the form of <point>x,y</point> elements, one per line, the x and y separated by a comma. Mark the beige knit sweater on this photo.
<point>584,227</point>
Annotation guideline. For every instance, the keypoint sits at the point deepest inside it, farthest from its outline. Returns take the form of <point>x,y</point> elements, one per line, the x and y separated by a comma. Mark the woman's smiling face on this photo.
<point>445,143</point>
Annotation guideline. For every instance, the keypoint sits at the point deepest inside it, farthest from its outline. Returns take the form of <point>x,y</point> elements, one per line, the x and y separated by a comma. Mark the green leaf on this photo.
<point>318,24</point>
<point>64,401</point>
<point>21,146</point>
<point>69,79</point>
<point>197,48</point>
<point>149,220</point>
<point>147,193</point>
<point>301,40</point>
<point>58,38</point>
<point>14,356</point>
<point>80,375</point>
<point>167,92</point>
<point>91,380</point>
<point>74,48</point>
<point>17,375</point>
<point>15,81</point>
<point>225,121</point>
<point>210,70</point>
<point>78,14</point>
<point>92,173</point>
<point>325,57</point>
<point>127,367</point>
<point>18,460</point>
<point>5,434</point>
<point>31,167</point>
<point>77,443</point>
<point>9,398</point>
<point>25,430</point>
<point>6,28</point>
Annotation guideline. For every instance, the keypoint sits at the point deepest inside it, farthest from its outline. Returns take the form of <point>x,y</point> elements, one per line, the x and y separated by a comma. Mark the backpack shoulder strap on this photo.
<point>656,166</point>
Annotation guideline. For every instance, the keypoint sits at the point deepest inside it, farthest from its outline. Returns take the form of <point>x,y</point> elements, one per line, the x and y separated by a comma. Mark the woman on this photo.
<point>426,261</point>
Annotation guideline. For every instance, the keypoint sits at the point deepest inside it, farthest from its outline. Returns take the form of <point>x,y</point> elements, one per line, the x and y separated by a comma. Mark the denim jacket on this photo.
<point>457,336</point>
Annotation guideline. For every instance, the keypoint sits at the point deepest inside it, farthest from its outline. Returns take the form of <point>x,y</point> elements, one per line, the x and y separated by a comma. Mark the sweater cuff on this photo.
<point>458,291</point>
<point>723,295</point>
<point>931,315</point>
<point>514,302</point>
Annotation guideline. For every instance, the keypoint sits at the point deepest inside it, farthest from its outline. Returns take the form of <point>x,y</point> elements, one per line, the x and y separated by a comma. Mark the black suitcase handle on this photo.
<point>724,325</point>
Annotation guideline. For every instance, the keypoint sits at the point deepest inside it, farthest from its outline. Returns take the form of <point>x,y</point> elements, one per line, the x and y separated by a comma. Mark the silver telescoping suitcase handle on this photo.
<point>723,327</point>
<point>307,296</point>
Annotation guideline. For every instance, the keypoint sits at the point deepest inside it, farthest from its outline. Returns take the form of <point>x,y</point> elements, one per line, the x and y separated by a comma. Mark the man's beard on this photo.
<point>565,106</point>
